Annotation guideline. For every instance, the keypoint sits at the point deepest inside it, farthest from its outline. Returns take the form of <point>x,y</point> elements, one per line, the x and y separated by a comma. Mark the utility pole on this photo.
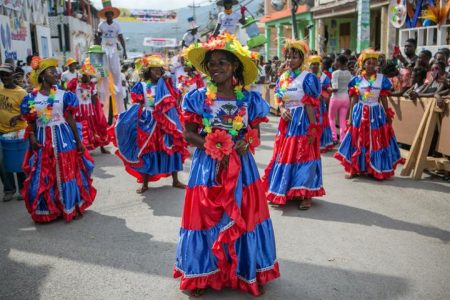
<point>294,7</point>
<point>193,6</point>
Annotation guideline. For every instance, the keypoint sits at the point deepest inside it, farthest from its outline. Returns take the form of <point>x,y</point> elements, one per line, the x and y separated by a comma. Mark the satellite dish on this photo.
<point>278,4</point>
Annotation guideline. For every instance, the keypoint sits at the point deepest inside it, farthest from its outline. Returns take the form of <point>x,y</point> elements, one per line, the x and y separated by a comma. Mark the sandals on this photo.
<point>305,204</point>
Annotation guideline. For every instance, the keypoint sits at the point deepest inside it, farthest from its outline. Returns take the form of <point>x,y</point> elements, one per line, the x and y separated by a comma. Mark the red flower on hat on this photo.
<point>35,62</point>
<point>218,144</point>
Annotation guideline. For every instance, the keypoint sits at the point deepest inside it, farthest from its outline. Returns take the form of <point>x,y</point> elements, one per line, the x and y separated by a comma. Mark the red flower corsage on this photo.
<point>252,138</point>
<point>314,130</point>
<point>218,144</point>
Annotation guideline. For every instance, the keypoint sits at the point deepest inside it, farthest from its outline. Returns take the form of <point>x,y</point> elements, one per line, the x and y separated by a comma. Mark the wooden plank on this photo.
<point>430,127</point>
<point>443,145</point>
<point>408,116</point>
<point>415,145</point>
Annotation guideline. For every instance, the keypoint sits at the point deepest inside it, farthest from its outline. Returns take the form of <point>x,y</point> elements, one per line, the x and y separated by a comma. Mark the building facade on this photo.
<point>336,25</point>
<point>24,28</point>
<point>73,26</point>
<point>278,25</point>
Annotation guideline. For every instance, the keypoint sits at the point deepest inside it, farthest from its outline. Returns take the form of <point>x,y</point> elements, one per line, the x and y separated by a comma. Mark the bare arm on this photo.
<point>353,101</point>
<point>122,43</point>
<point>216,30</point>
<point>192,137</point>
<point>70,120</point>
<point>310,113</point>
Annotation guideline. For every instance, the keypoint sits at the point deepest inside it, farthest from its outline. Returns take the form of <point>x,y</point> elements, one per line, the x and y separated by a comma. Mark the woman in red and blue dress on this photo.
<point>226,236</point>
<point>295,171</point>
<point>57,166</point>
<point>149,135</point>
<point>326,139</point>
<point>90,114</point>
<point>190,81</point>
<point>369,145</point>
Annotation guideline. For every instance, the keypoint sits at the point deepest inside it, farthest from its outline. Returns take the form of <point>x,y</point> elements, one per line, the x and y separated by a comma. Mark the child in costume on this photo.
<point>57,166</point>
<point>90,113</point>
<point>149,135</point>
<point>369,146</point>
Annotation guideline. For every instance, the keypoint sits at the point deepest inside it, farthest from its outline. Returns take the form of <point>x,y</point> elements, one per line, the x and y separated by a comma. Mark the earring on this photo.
<point>234,81</point>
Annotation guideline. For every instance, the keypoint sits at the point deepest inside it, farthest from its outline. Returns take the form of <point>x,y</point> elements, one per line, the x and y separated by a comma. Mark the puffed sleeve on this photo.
<point>311,86</point>
<point>386,87</point>
<point>137,93</point>
<point>28,113</point>
<point>72,85</point>
<point>352,88</point>
<point>258,109</point>
<point>70,103</point>
<point>326,83</point>
<point>192,106</point>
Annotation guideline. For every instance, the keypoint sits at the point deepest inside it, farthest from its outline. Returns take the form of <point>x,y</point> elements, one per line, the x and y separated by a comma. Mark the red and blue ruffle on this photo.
<point>369,145</point>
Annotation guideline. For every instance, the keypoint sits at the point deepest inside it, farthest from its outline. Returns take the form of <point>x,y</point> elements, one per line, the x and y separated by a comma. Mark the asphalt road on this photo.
<point>363,240</point>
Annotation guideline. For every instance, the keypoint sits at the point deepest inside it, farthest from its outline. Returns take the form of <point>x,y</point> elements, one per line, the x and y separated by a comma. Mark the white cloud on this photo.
<point>151,4</point>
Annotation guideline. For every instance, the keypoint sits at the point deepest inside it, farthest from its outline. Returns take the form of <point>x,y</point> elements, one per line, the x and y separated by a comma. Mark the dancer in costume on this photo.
<point>369,146</point>
<point>149,135</point>
<point>57,166</point>
<point>326,139</point>
<point>90,114</point>
<point>189,81</point>
<point>226,237</point>
<point>295,171</point>
<point>109,33</point>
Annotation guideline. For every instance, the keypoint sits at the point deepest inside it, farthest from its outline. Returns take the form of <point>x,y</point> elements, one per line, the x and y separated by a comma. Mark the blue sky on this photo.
<point>151,4</point>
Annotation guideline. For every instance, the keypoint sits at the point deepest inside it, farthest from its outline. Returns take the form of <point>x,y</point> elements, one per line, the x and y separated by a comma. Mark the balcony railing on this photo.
<point>430,37</point>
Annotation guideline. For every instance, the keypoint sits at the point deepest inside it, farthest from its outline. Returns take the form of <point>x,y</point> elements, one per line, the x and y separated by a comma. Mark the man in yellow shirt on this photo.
<point>11,97</point>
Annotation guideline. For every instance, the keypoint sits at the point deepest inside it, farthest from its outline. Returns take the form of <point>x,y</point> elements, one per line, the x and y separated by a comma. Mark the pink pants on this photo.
<point>340,105</point>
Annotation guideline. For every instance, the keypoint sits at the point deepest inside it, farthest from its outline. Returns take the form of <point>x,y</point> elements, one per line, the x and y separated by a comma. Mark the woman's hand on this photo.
<point>312,137</point>
<point>224,161</point>
<point>33,143</point>
<point>241,147</point>
<point>80,147</point>
<point>13,121</point>
<point>286,114</point>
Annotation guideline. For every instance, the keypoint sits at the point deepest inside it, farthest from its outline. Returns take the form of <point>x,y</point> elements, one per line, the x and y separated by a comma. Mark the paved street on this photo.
<point>363,240</point>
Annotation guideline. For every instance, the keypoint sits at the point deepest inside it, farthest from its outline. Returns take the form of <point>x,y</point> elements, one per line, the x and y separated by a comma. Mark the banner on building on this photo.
<point>160,42</point>
<point>15,38</point>
<point>147,15</point>
<point>12,4</point>
<point>363,25</point>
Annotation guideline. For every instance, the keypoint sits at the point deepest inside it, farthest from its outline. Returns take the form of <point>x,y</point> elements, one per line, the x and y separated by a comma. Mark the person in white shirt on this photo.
<point>109,34</point>
<point>191,36</point>
<point>228,19</point>
<point>71,73</point>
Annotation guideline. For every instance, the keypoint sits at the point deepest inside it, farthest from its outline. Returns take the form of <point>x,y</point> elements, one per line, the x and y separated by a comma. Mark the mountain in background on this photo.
<point>135,32</point>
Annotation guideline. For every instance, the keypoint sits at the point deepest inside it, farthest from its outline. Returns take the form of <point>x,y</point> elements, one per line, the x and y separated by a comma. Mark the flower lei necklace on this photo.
<point>371,81</point>
<point>285,80</point>
<point>211,96</point>
<point>148,92</point>
<point>44,115</point>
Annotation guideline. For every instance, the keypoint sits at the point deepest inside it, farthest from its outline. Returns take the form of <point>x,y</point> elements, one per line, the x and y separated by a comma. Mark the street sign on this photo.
<point>160,42</point>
